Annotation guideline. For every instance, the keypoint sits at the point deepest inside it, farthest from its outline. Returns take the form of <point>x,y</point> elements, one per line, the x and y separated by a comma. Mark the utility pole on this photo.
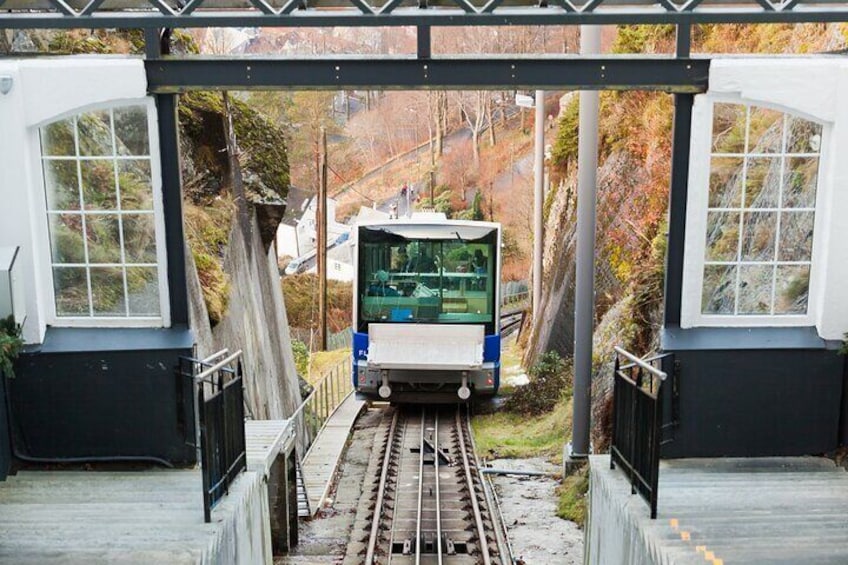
<point>538,200</point>
<point>584,293</point>
<point>432,178</point>
<point>321,253</point>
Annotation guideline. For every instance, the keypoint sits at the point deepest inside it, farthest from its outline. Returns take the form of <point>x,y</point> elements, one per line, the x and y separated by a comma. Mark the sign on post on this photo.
<point>524,101</point>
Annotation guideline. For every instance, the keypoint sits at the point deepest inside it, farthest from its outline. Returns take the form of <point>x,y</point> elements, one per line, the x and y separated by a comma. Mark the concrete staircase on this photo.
<point>302,497</point>
<point>100,517</point>
<point>776,510</point>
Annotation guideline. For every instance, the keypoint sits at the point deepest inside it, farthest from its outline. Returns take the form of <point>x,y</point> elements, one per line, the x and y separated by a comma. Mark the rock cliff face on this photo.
<point>554,331</point>
<point>234,157</point>
<point>255,322</point>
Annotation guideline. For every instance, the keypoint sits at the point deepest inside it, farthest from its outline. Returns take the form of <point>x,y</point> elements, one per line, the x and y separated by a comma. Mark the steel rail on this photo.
<point>413,16</point>
<point>420,492</point>
<point>381,491</point>
<point>438,493</point>
<point>478,518</point>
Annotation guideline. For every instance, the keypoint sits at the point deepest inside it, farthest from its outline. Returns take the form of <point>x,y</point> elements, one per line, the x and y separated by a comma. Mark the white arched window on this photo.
<point>103,207</point>
<point>754,216</point>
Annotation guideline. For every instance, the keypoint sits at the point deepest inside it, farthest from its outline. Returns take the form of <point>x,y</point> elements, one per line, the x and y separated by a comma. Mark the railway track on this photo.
<point>430,506</point>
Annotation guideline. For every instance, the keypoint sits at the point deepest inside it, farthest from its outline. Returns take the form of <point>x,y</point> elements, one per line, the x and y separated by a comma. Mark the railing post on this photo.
<point>204,449</point>
<point>655,450</point>
<point>615,401</point>
<point>332,380</point>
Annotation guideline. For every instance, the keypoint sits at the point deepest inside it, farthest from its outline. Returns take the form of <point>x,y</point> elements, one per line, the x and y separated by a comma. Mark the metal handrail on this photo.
<point>220,365</point>
<point>641,363</point>
<point>217,355</point>
<point>324,400</point>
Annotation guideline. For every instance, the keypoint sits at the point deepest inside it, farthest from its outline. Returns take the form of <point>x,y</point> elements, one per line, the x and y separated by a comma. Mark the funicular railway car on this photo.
<point>426,313</point>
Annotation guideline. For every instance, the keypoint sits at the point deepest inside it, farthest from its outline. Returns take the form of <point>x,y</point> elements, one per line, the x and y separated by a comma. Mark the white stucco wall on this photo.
<point>815,88</point>
<point>42,91</point>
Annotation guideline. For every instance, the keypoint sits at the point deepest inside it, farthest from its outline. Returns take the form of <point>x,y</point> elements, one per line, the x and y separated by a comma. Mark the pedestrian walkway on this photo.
<point>321,462</point>
<point>264,441</point>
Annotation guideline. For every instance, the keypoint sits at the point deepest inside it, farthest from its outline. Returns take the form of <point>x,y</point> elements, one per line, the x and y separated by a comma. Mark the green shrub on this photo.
<point>301,357</point>
<point>550,381</point>
<point>11,345</point>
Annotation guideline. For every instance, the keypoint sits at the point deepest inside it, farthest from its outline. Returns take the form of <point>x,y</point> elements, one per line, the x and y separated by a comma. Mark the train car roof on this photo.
<point>433,228</point>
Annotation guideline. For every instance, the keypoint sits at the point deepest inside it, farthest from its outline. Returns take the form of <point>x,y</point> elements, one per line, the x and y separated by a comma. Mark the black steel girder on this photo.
<point>352,13</point>
<point>572,73</point>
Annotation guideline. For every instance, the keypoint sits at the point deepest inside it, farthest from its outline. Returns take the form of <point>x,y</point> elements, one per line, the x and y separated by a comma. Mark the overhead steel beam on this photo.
<point>574,73</point>
<point>354,17</point>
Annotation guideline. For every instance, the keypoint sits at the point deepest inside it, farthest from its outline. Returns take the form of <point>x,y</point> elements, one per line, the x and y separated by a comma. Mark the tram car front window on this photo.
<point>427,276</point>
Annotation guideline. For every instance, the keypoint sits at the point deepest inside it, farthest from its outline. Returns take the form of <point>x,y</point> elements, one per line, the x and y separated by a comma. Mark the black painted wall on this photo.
<point>5,443</point>
<point>118,397</point>
<point>765,402</point>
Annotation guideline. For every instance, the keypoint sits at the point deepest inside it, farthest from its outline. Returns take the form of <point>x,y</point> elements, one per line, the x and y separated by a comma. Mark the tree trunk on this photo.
<point>347,105</point>
<point>441,126</point>
<point>492,139</point>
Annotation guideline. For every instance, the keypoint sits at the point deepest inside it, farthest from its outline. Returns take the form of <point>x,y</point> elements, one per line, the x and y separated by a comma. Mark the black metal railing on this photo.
<point>637,421</point>
<point>332,388</point>
<point>217,389</point>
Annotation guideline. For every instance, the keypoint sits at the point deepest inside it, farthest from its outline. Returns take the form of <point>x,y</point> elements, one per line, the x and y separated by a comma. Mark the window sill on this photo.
<point>80,340</point>
<point>674,338</point>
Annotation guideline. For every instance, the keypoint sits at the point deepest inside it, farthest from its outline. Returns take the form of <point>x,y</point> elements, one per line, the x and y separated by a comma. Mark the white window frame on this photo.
<point>41,233</point>
<point>696,223</point>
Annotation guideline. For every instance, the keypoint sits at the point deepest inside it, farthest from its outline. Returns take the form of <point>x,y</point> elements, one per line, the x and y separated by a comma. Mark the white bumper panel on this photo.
<point>425,346</point>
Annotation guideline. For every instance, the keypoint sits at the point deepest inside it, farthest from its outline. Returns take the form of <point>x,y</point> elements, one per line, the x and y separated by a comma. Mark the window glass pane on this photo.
<point>57,139</point>
<point>722,236</point>
<point>104,244</point>
<point>762,182</point>
<point>804,136</point>
<point>780,178</point>
<point>95,134</point>
<point>728,128</point>
<point>411,279</point>
<point>143,289</point>
<point>139,238</point>
<point>758,236</point>
<point>796,236</point>
<point>98,184</point>
<point>719,289</point>
<point>107,291</point>
<point>799,183</point>
<point>131,130</point>
<point>66,244</point>
<point>71,285</point>
<point>726,182</point>
<point>135,185</point>
<point>755,289</point>
<point>793,288</point>
<point>61,183</point>
<point>100,213</point>
<point>765,134</point>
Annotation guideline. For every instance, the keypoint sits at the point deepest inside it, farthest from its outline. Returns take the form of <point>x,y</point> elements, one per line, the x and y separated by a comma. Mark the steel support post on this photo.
<point>321,242</point>
<point>584,296</point>
<point>678,192</point>
<point>538,201</point>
